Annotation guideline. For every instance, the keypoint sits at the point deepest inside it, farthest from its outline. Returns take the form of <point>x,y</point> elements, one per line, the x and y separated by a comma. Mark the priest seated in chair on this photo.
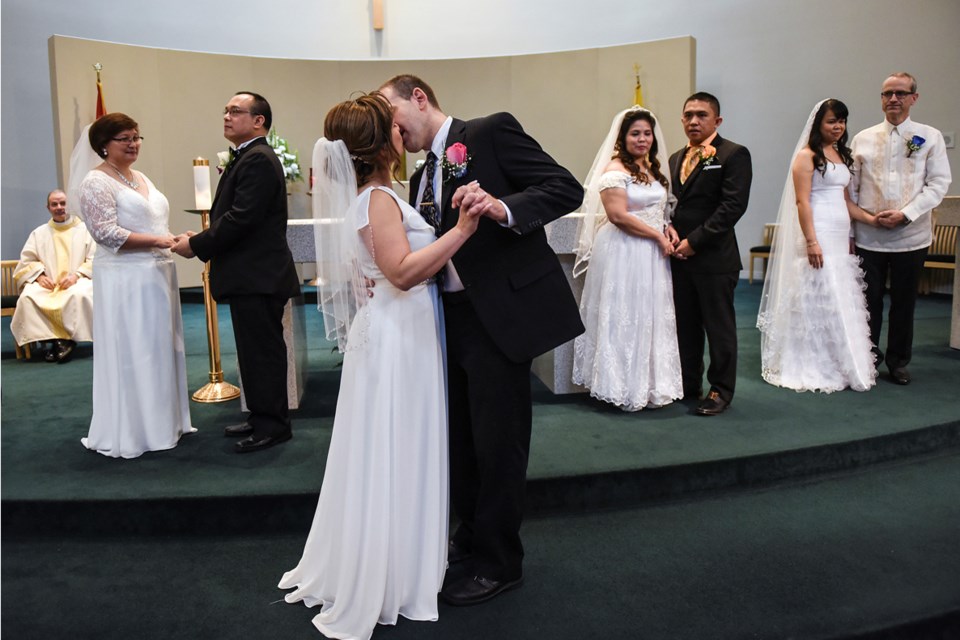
<point>54,278</point>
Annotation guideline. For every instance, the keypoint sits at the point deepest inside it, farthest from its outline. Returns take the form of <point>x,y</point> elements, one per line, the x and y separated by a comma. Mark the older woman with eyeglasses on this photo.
<point>139,373</point>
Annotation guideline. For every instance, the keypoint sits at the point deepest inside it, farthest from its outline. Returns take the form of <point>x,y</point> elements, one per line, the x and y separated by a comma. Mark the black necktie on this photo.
<point>428,205</point>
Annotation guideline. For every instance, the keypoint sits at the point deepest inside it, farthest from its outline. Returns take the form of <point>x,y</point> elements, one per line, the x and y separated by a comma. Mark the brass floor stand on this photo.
<point>217,390</point>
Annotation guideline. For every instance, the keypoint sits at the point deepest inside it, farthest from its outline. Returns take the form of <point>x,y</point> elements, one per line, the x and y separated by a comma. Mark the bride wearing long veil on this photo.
<point>628,355</point>
<point>813,315</point>
<point>377,548</point>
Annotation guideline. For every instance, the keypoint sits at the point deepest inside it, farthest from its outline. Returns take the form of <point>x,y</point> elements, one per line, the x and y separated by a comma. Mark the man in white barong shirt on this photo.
<point>900,173</point>
<point>54,275</point>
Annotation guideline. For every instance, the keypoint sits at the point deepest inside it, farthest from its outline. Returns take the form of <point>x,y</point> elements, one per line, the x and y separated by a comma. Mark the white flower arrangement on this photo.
<point>290,160</point>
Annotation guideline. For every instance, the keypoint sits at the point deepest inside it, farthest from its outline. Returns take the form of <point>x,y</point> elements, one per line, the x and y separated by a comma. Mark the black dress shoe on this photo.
<point>238,430</point>
<point>900,375</point>
<point>456,553</point>
<point>712,405</point>
<point>64,350</point>
<point>259,443</point>
<point>51,354</point>
<point>476,590</point>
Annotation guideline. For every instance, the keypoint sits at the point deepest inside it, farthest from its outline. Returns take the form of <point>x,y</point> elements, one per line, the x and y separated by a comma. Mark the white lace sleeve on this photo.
<point>98,206</point>
<point>614,180</point>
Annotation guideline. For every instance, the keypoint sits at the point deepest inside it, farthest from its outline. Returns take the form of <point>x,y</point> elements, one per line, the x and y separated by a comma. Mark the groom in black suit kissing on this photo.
<point>505,300</point>
<point>711,180</point>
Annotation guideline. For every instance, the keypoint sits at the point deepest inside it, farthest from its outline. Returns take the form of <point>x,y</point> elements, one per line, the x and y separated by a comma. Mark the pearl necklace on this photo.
<point>132,185</point>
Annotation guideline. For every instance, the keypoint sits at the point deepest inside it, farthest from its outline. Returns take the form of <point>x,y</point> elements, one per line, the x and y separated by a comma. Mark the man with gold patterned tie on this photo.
<point>711,180</point>
<point>54,275</point>
<point>900,173</point>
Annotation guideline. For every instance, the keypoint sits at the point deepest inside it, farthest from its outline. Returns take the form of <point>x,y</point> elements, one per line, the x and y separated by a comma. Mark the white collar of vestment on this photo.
<point>66,224</point>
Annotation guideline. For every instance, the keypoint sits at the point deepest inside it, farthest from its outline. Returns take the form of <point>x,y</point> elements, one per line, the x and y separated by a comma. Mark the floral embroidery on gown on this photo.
<point>628,355</point>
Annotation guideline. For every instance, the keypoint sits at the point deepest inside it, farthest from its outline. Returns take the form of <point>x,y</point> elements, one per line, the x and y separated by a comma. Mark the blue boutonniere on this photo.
<point>455,161</point>
<point>914,144</point>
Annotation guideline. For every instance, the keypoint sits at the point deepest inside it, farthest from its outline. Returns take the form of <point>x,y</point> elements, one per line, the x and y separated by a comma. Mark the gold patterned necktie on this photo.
<point>690,162</point>
<point>428,205</point>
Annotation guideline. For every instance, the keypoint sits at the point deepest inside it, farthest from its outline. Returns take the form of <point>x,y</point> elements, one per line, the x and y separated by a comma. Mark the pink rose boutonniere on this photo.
<point>707,154</point>
<point>455,161</point>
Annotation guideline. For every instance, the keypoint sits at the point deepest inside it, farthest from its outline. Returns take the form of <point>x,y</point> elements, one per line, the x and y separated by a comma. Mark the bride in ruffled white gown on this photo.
<point>378,544</point>
<point>140,395</point>
<point>628,355</point>
<point>813,314</point>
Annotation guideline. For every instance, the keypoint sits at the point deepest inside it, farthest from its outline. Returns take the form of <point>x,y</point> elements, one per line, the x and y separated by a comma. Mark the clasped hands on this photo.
<point>474,202</point>
<point>890,218</point>
<point>181,244</point>
<point>675,247</point>
<point>67,281</point>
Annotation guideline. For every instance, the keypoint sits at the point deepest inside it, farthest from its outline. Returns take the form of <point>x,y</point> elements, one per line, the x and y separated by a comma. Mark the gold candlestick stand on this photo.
<point>216,390</point>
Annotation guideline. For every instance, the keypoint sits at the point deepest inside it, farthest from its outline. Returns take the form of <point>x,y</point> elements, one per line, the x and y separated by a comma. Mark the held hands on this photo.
<point>890,218</point>
<point>474,201</point>
<point>181,244</point>
<point>668,241</point>
<point>683,250</point>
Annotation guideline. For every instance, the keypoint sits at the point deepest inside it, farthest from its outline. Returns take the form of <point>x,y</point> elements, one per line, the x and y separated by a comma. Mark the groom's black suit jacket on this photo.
<point>247,239</point>
<point>252,268</point>
<point>516,305</point>
<point>709,204</point>
<point>514,280</point>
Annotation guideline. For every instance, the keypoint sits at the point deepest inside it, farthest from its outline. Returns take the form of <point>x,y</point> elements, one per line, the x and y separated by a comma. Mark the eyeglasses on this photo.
<point>125,140</point>
<point>886,95</point>
<point>233,112</point>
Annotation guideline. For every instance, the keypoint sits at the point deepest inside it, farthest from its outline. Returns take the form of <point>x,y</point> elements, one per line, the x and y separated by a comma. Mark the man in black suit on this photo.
<point>251,267</point>
<point>711,180</point>
<point>505,299</point>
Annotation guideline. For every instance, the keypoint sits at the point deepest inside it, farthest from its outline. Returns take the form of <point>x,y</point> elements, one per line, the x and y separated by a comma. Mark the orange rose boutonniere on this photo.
<point>707,154</point>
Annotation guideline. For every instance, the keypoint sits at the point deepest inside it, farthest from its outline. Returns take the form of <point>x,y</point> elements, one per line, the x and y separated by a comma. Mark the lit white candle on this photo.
<point>201,183</point>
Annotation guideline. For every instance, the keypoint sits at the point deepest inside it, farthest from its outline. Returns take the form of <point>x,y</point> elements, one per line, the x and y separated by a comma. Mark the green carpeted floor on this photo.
<point>46,410</point>
<point>870,552</point>
<point>839,557</point>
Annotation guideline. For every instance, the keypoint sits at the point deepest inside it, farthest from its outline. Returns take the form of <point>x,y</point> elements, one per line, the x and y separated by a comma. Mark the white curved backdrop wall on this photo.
<point>767,60</point>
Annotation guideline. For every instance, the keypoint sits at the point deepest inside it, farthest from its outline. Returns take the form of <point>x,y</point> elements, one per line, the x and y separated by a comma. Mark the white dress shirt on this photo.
<point>886,175</point>
<point>451,279</point>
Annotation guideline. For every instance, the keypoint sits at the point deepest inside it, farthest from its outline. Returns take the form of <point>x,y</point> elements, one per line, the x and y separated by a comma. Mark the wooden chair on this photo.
<point>941,255</point>
<point>10,296</point>
<point>763,251</point>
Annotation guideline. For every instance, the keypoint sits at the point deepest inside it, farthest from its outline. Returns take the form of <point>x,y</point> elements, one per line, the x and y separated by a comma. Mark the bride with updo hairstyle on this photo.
<point>378,544</point>
<point>628,355</point>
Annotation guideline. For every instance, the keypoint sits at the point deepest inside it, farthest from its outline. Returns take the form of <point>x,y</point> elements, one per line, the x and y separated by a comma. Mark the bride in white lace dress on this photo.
<point>140,392</point>
<point>813,314</point>
<point>377,548</point>
<point>628,355</point>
